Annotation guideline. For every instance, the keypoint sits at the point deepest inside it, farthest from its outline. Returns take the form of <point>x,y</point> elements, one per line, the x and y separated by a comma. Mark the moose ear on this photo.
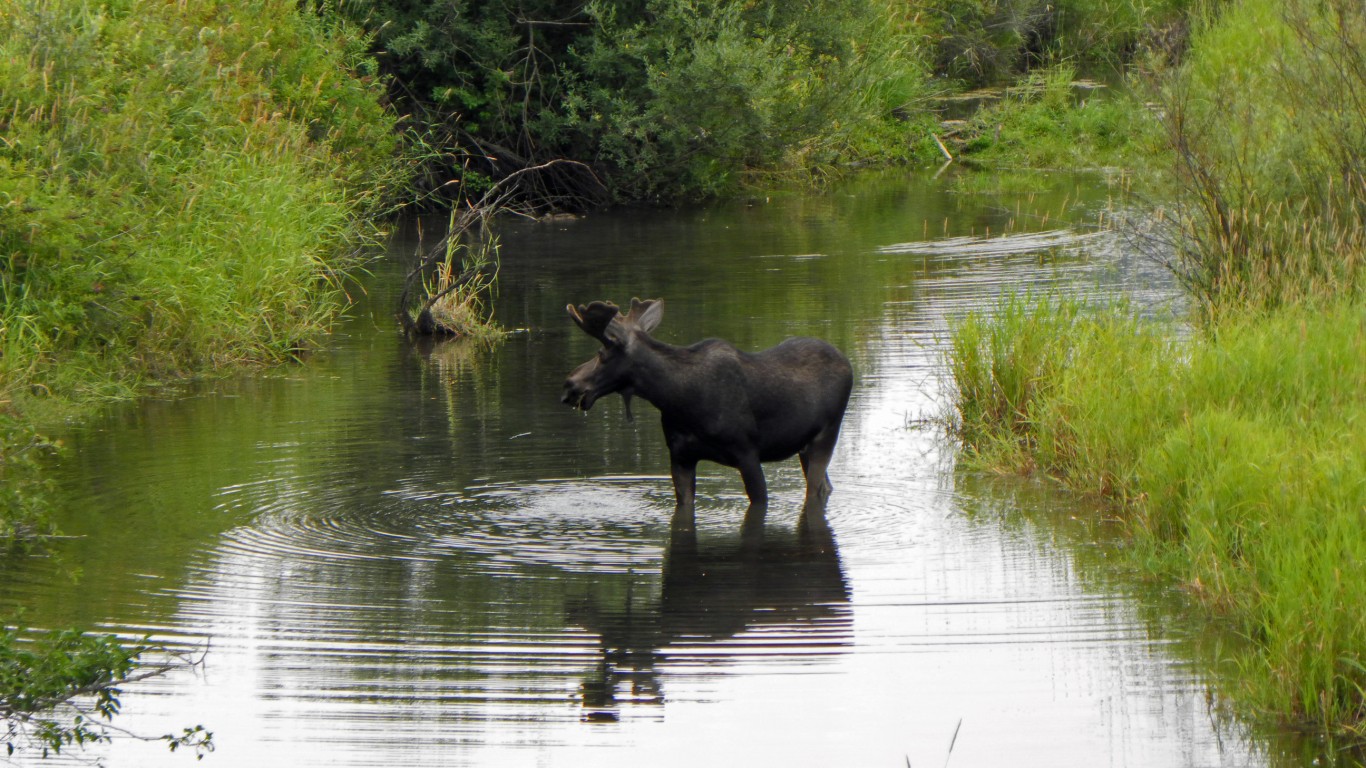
<point>595,318</point>
<point>646,314</point>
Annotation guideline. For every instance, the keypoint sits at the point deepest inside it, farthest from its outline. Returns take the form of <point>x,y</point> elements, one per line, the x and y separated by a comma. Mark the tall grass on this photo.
<point>1267,119</point>
<point>1239,455</point>
<point>179,185</point>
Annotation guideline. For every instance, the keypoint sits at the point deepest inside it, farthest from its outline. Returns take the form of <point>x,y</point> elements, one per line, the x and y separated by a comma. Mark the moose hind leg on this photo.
<point>816,460</point>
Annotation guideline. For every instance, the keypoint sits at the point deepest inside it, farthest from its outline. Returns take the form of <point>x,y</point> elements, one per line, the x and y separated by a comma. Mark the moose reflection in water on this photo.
<point>769,594</point>
<point>718,403</point>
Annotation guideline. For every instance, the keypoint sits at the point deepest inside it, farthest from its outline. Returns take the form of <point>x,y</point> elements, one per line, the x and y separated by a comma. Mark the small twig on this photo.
<point>942,148</point>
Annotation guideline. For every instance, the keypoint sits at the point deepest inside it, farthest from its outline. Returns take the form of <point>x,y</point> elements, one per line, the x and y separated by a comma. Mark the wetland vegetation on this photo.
<point>1235,443</point>
<point>185,188</point>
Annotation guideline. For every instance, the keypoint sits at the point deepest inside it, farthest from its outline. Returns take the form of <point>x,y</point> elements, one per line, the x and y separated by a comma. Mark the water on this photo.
<point>399,555</point>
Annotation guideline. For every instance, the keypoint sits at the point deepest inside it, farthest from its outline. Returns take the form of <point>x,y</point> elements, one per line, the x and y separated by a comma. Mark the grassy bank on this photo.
<point>1237,455</point>
<point>179,185</point>
<point>1237,446</point>
<point>182,186</point>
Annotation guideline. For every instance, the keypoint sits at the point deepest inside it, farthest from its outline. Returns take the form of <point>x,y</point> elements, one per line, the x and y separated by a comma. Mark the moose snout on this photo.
<point>571,394</point>
<point>576,395</point>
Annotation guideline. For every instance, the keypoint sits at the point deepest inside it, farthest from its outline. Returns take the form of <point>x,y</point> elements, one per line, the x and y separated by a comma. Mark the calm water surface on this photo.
<point>416,556</point>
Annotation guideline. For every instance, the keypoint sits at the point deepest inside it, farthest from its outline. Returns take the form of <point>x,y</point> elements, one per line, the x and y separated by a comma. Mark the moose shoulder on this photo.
<point>718,403</point>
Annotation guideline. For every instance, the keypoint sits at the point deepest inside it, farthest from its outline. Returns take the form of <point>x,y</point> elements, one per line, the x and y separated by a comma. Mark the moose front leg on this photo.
<point>685,484</point>
<point>756,488</point>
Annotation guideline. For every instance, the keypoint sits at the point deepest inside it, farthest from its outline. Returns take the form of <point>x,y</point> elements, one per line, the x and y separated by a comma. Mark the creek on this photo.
<point>415,555</point>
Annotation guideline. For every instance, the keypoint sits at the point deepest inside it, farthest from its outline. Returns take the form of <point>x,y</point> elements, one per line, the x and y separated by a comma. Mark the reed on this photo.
<point>1236,453</point>
<point>1265,120</point>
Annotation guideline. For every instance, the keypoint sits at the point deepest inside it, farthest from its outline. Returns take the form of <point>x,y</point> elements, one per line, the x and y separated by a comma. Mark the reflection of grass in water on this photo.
<point>455,359</point>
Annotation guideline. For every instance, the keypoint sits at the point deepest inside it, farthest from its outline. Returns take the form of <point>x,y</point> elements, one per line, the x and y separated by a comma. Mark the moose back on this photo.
<point>718,403</point>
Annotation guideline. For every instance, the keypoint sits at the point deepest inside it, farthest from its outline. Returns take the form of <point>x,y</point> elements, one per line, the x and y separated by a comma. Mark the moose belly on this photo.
<point>690,446</point>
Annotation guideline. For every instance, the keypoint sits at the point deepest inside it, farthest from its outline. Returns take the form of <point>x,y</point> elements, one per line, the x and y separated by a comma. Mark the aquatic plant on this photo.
<point>463,275</point>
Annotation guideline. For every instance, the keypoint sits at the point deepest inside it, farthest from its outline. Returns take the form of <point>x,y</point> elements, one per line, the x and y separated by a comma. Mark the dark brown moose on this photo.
<point>718,403</point>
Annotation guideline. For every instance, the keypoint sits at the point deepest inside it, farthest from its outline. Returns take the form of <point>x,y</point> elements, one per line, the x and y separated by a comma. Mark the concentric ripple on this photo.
<point>414,555</point>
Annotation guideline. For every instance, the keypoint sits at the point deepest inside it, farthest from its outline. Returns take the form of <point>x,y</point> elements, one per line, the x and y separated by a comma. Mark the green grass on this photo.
<point>1240,455</point>
<point>182,188</point>
<point>1047,120</point>
<point>1266,120</point>
<point>178,187</point>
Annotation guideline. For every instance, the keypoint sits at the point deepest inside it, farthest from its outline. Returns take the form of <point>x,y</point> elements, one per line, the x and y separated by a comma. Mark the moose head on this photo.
<point>611,369</point>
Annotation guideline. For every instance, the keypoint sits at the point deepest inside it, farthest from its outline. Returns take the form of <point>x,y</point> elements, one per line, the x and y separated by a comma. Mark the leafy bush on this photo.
<point>664,98</point>
<point>60,691</point>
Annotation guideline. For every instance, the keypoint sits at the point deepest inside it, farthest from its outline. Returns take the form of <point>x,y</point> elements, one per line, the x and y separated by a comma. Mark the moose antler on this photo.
<point>594,318</point>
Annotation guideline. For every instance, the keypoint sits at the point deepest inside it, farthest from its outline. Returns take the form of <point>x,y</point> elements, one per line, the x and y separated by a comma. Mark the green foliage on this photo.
<point>1049,120</point>
<point>463,276</point>
<point>986,41</point>
<point>175,184</point>
<point>1001,365</point>
<point>664,98</point>
<point>1238,454</point>
<point>1267,120</point>
<point>61,690</point>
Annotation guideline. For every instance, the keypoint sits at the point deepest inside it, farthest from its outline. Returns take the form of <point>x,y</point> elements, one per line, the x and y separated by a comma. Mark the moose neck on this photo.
<point>659,372</point>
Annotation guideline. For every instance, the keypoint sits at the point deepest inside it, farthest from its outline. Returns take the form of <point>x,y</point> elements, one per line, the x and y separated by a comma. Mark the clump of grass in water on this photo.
<point>463,273</point>
<point>1001,364</point>
<point>1237,454</point>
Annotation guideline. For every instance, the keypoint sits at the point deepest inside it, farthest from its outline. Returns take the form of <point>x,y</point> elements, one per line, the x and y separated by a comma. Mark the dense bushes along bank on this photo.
<point>676,99</point>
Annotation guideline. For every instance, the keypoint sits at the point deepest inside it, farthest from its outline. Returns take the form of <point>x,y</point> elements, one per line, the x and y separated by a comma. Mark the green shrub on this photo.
<point>663,98</point>
<point>60,690</point>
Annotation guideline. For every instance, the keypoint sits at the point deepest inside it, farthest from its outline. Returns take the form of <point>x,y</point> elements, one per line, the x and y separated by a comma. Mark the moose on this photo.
<point>717,403</point>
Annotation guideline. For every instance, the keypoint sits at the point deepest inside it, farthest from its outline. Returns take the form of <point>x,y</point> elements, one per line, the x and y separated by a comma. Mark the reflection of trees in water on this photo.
<point>791,587</point>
